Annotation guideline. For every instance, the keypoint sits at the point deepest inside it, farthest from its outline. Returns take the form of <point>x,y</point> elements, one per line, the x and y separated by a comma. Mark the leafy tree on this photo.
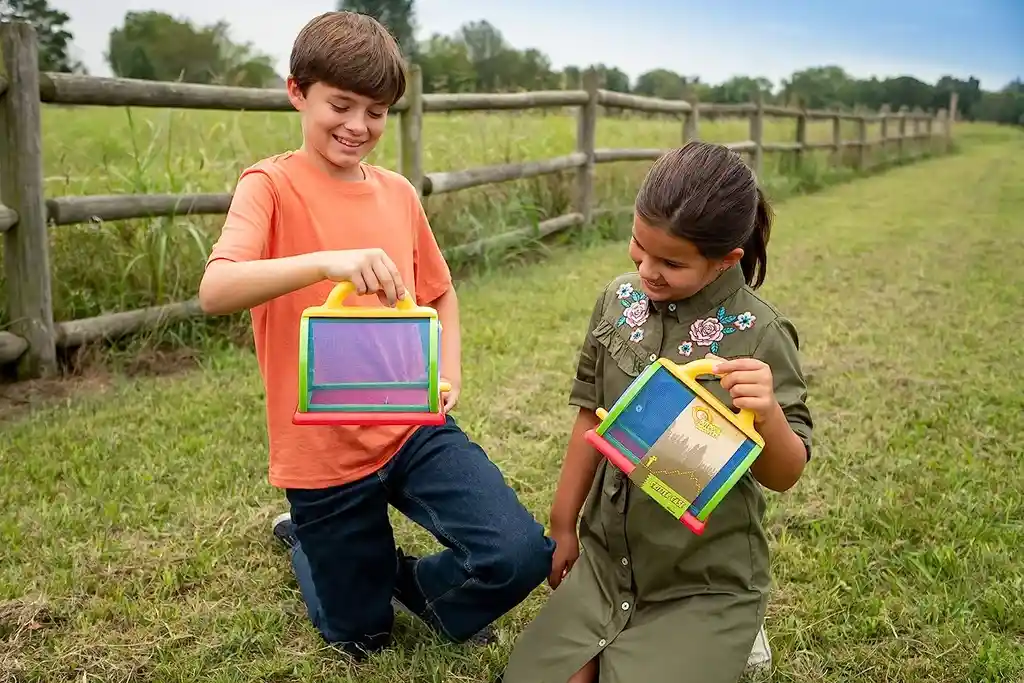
<point>155,46</point>
<point>662,83</point>
<point>397,15</point>
<point>446,65</point>
<point>54,39</point>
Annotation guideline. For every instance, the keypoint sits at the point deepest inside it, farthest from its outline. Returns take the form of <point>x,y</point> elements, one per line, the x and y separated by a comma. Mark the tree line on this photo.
<point>477,58</point>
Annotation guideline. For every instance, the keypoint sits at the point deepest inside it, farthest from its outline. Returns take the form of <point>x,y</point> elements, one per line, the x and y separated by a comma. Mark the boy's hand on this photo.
<point>450,398</point>
<point>370,270</point>
<point>749,382</point>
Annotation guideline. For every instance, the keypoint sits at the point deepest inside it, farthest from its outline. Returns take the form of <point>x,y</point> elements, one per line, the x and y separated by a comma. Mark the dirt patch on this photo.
<point>91,370</point>
<point>24,616</point>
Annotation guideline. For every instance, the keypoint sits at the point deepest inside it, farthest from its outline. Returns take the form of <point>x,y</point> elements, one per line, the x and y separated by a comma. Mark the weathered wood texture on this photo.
<point>586,139</point>
<point>26,244</point>
<point>452,181</point>
<point>410,143</point>
<point>113,207</point>
<point>34,337</point>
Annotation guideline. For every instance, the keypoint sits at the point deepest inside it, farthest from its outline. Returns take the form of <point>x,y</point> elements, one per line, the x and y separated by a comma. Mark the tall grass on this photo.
<point>121,265</point>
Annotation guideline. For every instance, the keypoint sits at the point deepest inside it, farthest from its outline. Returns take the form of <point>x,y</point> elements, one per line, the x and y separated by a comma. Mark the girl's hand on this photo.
<point>567,551</point>
<point>749,382</point>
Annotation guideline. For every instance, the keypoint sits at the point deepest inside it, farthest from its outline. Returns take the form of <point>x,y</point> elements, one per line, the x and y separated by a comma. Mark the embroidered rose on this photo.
<point>745,321</point>
<point>635,307</point>
<point>637,313</point>
<point>636,336</point>
<point>686,348</point>
<point>707,331</point>
<point>624,291</point>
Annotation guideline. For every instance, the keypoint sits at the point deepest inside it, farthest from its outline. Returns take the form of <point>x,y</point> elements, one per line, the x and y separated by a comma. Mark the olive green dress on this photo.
<point>649,598</point>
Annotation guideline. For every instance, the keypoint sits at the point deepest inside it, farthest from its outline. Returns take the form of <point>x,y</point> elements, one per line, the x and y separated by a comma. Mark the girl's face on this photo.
<point>672,268</point>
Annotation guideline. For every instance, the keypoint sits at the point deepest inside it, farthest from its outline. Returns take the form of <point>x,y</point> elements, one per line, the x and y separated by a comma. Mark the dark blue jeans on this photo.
<point>348,568</point>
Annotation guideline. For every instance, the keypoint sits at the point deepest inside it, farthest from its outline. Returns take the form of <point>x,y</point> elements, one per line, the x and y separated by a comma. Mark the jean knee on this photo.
<point>522,562</point>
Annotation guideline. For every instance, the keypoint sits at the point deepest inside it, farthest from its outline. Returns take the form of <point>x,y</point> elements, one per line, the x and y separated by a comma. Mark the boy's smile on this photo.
<point>339,127</point>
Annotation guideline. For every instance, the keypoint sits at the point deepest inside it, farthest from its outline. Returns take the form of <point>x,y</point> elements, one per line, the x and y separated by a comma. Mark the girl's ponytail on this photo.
<point>755,252</point>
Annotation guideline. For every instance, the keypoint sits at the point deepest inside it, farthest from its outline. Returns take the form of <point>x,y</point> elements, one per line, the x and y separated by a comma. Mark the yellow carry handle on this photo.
<point>345,289</point>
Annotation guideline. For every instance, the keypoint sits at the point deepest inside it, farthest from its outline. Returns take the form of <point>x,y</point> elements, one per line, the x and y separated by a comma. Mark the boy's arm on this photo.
<point>447,306</point>
<point>434,288</point>
<point>237,276</point>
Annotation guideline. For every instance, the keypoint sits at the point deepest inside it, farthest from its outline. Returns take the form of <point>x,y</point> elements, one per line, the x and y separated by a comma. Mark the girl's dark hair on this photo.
<point>705,193</point>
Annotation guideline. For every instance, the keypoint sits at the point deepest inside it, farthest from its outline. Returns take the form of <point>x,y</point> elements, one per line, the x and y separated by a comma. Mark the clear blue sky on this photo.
<point>714,40</point>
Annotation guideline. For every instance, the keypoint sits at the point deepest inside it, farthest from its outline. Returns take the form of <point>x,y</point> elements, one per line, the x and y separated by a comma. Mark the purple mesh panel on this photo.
<point>369,351</point>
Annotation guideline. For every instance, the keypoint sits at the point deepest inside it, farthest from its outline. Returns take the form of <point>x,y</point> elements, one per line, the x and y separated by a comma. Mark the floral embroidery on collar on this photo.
<point>708,332</point>
<point>636,309</point>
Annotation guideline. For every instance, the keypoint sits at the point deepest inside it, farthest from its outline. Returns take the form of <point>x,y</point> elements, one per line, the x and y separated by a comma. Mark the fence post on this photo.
<point>691,124</point>
<point>411,126</point>
<point>801,136</point>
<point>902,146</point>
<point>862,142</point>
<point>883,133</point>
<point>837,140</point>
<point>918,146</point>
<point>757,133</point>
<point>586,133</point>
<point>951,114</point>
<point>26,244</point>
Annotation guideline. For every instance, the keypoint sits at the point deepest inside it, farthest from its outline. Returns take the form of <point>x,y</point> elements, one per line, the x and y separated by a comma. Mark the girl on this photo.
<point>647,599</point>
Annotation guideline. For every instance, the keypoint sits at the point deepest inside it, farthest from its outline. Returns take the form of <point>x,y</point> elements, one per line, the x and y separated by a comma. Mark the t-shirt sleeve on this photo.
<point>584,392</point>
<point>779,348</point>
<point>433,277</point>
<point>247,224</point>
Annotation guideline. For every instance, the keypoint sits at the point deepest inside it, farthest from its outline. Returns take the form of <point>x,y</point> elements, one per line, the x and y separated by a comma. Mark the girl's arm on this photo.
<point>782,462</point>
<point>772,385</point>
<point>581,461</point>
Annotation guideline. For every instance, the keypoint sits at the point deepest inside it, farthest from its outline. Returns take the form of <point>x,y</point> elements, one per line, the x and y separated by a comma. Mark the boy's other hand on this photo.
<point>451,398</point>
<point>369,270</point>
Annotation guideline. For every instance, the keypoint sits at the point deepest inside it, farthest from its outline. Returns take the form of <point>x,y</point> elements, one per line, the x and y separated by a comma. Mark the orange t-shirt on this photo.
<point>284,206</point>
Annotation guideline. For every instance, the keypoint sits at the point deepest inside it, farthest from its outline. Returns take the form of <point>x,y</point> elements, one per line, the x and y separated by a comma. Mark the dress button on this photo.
<point>625,606</point>
<point>602,642</point>
<point>653,357</point>
<point>671,307</point>
<point>625,562</point>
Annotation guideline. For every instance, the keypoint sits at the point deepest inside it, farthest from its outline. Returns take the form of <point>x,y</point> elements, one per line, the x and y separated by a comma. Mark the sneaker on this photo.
<point>284,530</point>
<point>760,657</point>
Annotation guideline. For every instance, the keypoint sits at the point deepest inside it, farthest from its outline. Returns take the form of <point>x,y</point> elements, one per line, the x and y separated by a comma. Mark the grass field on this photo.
<point>135,536</point>
<point>131,264</point>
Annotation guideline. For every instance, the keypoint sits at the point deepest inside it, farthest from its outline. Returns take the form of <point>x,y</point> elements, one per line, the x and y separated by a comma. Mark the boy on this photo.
<point>299,222</point>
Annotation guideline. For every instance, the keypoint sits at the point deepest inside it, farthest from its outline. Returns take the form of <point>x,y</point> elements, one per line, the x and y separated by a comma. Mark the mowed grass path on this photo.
<point>135,538</point>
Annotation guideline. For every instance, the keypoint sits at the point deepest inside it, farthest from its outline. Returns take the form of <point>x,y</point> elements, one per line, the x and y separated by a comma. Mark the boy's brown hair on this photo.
<point>349,51</point>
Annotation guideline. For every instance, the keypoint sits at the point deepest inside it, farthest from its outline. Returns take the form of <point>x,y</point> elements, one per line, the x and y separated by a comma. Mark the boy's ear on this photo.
<point>295,95</point>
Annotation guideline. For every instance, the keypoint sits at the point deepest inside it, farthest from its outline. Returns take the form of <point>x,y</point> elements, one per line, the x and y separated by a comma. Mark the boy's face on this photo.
<point>342,127</point>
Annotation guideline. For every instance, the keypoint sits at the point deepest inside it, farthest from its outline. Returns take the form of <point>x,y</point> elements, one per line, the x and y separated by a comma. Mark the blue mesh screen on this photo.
<point>649,414</point>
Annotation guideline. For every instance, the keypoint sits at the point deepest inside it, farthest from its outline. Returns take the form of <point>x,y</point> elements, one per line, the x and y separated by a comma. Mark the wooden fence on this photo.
<point>26,214</point>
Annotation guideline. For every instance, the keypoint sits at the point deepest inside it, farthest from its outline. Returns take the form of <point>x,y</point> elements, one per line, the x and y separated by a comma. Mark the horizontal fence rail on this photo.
<point>26,215</point>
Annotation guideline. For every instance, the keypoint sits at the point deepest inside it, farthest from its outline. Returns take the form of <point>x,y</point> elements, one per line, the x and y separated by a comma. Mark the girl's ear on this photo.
<point>732,258</point>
